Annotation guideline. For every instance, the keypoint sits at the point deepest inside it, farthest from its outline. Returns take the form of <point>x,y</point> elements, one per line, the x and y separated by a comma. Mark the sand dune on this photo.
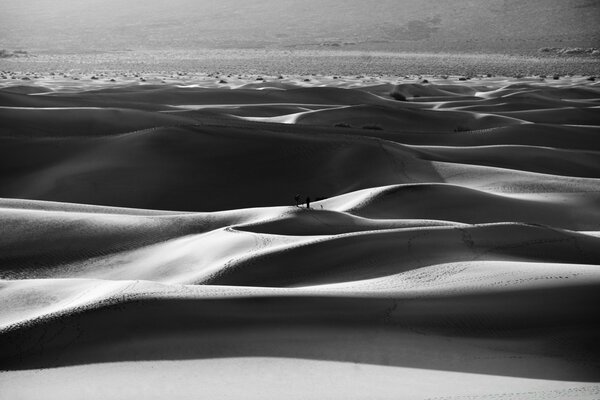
<point>200,168</point>
<point>452,237</point>
<point>73,121</point>
<point>466,205</point>
<point>540,135</point>
<point>546,160</point>
<point>400,119</point>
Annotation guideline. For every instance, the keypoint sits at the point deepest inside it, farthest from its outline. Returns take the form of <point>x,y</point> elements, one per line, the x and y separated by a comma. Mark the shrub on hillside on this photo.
<point>16,53</point>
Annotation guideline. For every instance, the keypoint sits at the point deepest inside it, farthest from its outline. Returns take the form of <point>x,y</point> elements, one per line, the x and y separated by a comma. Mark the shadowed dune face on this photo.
<point>201,168</point>
<point>453,229</point>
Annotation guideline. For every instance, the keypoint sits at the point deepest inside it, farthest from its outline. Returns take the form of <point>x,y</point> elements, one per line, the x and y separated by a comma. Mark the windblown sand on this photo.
<point>150,245</point>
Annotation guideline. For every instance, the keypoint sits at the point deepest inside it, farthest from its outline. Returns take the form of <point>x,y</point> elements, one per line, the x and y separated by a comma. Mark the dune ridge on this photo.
<point>453,235</point>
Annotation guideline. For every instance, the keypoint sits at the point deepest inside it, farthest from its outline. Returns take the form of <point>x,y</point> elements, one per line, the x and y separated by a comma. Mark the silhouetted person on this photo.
<point>307,202</point>
<point>297,198</point>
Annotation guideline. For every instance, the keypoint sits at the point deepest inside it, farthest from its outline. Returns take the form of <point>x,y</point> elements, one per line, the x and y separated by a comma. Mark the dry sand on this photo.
<point>150,246</point>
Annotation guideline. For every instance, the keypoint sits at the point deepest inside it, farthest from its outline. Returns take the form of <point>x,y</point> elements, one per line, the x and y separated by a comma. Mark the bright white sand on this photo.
<point>272,378</point>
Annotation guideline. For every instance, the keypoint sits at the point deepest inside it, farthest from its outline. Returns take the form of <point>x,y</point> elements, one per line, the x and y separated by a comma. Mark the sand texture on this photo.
<point>151,246</point>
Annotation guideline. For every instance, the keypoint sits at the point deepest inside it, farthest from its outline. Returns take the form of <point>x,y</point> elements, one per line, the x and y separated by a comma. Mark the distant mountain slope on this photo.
<point>425,25</point>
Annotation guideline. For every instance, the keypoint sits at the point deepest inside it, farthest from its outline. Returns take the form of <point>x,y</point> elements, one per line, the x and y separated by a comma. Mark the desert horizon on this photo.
<point>459,26</point>
<point>329,200</point>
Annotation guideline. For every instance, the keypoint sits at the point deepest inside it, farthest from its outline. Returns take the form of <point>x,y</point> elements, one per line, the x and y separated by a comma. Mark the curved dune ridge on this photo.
<point>451,249</point>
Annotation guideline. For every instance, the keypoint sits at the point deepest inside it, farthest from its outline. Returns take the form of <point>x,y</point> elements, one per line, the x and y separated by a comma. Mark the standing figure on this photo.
<point>297,198</point>
<point>307,202</point>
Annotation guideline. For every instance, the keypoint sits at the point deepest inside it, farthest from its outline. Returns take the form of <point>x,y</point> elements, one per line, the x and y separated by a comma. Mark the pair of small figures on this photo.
<point>297,198</point>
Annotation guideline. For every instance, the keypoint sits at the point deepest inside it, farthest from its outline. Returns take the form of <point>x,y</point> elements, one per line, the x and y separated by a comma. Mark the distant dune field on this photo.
<point>311,37</point>
<point>151,245</point>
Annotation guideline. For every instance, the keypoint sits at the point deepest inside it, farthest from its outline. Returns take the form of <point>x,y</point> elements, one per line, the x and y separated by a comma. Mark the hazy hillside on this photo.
<point>426,25</point>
